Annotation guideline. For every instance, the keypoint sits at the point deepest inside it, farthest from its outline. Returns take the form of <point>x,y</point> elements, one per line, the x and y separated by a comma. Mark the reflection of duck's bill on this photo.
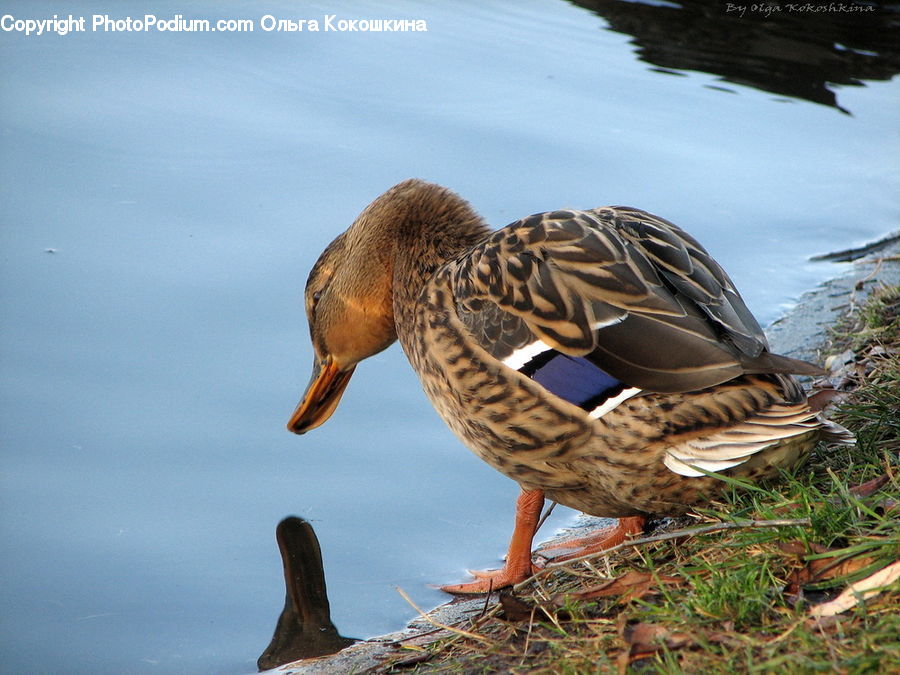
<point>304,574</point>
<point>304,628</point>
<point>322,395</point>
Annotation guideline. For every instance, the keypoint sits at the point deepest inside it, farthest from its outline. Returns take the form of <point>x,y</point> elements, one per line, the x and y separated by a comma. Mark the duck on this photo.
<point>600,358</point>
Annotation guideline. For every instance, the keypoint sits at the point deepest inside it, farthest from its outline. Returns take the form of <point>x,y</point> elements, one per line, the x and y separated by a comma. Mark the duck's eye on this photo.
<point>314,300</point>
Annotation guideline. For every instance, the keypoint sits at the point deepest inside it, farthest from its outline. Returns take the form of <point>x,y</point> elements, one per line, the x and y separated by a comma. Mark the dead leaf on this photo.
<point>870,487</point>
<point>824,397</point>
<point>645,639</point>
<point>820,569</point>
<point>514,608</point>
<point>838,569</point>
<point>801,549</point>
<point>631,585</point>
<point>648,637</point>
<point>858,592</point>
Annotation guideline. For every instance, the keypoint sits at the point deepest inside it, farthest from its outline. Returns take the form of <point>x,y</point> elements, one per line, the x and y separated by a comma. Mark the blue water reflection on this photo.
<point>163,196</point>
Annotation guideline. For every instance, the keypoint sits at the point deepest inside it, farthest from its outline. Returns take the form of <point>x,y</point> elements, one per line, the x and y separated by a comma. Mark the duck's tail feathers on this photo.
<point>767,362</point>
<point>832,432</point>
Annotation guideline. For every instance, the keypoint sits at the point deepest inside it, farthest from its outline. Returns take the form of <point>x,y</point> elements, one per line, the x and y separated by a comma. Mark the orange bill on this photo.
<point>322,396</point>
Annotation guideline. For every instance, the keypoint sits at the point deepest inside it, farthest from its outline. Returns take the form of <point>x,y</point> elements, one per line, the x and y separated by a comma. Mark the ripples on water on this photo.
<point>164,195</point>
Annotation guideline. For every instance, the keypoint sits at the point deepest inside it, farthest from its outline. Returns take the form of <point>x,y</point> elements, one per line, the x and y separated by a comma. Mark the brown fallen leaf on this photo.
<point>858,592</point>
<point>631,585</point>
<point>645,639</point>
<point>870,487</point>
<point>824,397</point>
<point>801,549</point>
<point>648,637</point>
<point>820,569</point>
<point>514,608</point>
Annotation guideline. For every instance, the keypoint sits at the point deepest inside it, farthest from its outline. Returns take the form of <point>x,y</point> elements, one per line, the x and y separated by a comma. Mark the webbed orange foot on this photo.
<point>599,540</point>
<point>492,580</point>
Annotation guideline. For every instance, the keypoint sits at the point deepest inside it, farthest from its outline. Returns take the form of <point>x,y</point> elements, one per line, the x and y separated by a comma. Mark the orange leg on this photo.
<point>600,540</point>
<point>518,565</point>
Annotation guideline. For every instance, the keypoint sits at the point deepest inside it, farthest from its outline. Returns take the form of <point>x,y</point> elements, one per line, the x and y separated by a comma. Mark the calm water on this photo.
<point>163,196</point>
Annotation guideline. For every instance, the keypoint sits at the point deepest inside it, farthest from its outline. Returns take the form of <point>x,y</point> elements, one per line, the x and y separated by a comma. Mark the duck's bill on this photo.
<point>322,396</point>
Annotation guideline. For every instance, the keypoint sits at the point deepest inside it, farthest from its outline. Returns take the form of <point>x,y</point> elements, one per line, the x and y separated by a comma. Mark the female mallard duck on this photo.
<point>600,358</point>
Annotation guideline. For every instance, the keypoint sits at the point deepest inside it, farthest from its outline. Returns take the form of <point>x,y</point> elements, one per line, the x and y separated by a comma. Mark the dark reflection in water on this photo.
<point>796,49</point>
<point>304,629</point>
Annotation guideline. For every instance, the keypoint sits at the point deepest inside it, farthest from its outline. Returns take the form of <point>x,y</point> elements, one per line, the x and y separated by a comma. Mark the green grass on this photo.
<point>744,603</point>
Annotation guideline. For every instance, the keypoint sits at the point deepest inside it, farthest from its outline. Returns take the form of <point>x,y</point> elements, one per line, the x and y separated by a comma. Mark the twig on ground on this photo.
<point>438,624</point>
<point>678,534</point>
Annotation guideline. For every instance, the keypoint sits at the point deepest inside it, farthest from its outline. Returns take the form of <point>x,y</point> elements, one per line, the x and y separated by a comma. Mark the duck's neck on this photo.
<point>438,226</point>
<point>423,226</point>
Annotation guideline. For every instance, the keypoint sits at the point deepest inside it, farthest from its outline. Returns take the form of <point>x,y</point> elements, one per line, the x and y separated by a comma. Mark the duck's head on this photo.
<point>349,307</point>
<point>397,239</point>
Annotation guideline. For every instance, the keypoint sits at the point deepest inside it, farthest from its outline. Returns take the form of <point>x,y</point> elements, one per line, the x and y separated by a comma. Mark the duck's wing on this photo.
<point>616,288</point>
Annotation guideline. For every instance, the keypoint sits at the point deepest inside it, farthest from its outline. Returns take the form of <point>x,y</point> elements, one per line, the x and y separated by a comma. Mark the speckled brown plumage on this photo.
<point>600,357</point>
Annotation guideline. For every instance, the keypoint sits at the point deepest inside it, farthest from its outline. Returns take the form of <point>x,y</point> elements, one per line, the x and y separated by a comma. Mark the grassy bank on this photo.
<point>798,576</point>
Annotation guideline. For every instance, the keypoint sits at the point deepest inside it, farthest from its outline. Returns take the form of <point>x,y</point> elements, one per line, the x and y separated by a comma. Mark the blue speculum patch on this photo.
<point>572,378</point>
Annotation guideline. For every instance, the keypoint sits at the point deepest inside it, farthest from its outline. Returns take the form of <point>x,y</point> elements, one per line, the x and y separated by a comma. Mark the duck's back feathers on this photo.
<point>618,287</point>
